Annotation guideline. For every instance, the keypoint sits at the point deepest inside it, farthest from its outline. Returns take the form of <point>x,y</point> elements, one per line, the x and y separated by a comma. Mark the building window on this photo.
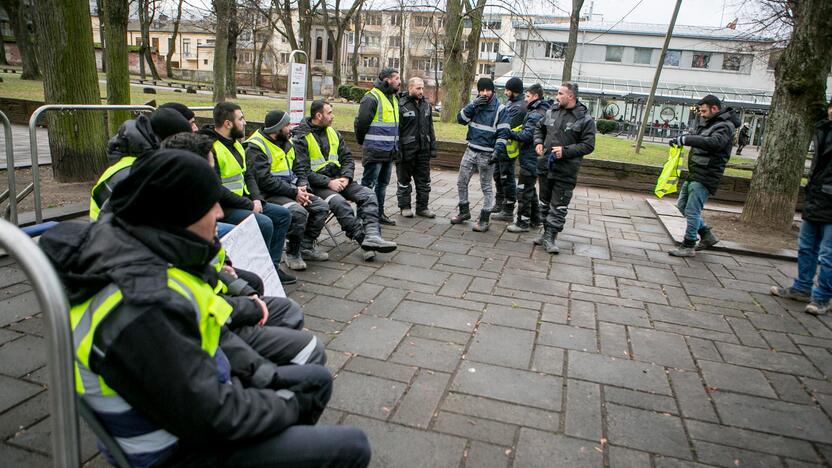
<point>614,53</point>
<point>371,40</point>
<point>700,60</point>
<point>422,64</point>
<point>394,41</point>
<point>319,48</point>
<point>246,36</point>
<point>774,57</point>
<point>396,19</point>
<point>369,61</point>
<point>284,57</point>
<point>489,47</point>
<point>643,56</point>
<point>494,25</point>
<point>186,47</point>
<point>673,58</point>
<point>283,39</point>
<point>732,62</point>
<point>373,20</point>
<point>555,50</point>
<point>423,21</point>
<point>440,22</point>
<point>486,68</point>
<point>205,61</point>
<point>246,58</point>
<point>393,62</point>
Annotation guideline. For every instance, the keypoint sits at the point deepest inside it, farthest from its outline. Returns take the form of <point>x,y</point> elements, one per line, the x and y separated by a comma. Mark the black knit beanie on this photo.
<point>169,188</point>
<point>515,85</point>
<point>166,122</point>
<point>485,83</point>
<point>178,107</point>
<point>275,120</point>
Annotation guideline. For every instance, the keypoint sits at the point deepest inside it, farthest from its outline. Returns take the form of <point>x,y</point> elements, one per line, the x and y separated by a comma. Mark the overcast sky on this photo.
<point>693,12</point>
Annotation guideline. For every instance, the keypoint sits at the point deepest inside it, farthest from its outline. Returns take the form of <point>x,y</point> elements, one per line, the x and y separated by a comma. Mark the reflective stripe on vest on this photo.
<point>513,146</point>
<point>231,172</point>
<point>101,191</point>
<point>316,157</point>
<point>281,161</point>
<point>211,313</point>
<point>383,134</point>
<point>217,264</point>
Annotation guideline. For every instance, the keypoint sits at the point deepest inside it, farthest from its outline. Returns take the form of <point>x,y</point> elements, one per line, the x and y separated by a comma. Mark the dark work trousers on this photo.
<point>554,201</point>
<point>416,169</point>
<point>339,205</point>
<point>528,209</point>
<point>307,221</point>
<point>504,181</point>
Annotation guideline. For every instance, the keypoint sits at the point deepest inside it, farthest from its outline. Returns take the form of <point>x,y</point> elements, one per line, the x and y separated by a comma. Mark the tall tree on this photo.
<point>172,42</point>
<point>458,74</point>
<point>20,18</point>
<point>474,13</point>
<point>221,12</point>
<point>336,23</point>
<point>3,59</point>
<point>799,97</point>
<point>306,13</point>
<point>572,46</point>
<point>114,20</point>
<point>66,53</point>
<point>234,31</point>
<point>358,23</point>
<point>147,13</point>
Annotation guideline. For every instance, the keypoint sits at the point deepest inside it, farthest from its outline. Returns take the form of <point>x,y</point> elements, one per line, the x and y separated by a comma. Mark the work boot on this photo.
<point>285,278</point>
<point>539,239</point>
<point>818,307</point>
<point>520,225</point>
<point>383,219</point>
<point>549,241</point>
<point>687,249</point>
<point>425,213</point>
<point>293,258</point>
<point>369,255</point>
<point>309,252</point>
<point>707,239</point>
<point>482,224</point>
<point>373,241</point>
<point>464,214</point>
<point>507,213</point>
<point>498,204</point>
<point>791,293</point>
<point>407,212</point>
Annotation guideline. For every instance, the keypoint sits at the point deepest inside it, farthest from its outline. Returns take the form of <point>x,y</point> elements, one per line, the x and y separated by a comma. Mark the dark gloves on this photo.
<point>494,159</point>
<point>480,101</point>
<point>677,141</point>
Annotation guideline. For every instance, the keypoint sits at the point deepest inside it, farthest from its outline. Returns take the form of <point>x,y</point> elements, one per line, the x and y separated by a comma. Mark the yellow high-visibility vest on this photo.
<point>669,178</point>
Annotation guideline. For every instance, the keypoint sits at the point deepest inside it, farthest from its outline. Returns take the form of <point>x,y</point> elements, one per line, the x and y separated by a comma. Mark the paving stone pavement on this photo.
<point>467,349</point>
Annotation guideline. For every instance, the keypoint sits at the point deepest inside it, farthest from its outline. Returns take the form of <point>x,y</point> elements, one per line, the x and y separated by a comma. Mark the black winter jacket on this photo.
<point>574,130</point>
<point>366,113</point>
<point>710,148</point>
<point>818,202</point>
<point>150,343</point>
<point>320,179</point>
<point>259,164</point>
<point>134,138</point>
<point>416,134</point>
<point>528,158</point>
<point>230,199</point>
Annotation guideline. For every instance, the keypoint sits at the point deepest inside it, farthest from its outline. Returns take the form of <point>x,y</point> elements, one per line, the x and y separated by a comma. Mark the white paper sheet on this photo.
<point>245,246</point>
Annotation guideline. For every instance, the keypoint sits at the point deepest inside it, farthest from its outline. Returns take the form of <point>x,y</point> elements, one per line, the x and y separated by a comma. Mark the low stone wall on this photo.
<point>594,172</point>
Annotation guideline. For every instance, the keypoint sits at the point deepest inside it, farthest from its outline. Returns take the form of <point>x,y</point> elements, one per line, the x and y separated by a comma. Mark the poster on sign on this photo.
<point>245,246</point>
<point>297,93</point>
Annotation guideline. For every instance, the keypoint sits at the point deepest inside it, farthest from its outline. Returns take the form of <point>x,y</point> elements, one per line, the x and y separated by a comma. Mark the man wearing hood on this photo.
<point>135,139</point>
<point>270,155</point>
<point>504,178</point>
<point>240,198</point>
<point>377,131</point>
<point>528,209</point>
<point>147,327</point>
<point>325,160</point>
<point>710,149</point>
<point>563,137</point>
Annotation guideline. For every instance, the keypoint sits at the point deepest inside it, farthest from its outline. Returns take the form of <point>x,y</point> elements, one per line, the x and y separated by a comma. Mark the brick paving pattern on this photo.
<point>480,350</point>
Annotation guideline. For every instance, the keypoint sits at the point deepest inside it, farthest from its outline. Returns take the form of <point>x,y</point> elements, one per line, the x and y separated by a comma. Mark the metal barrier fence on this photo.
<point>49,292</point>
<point>11,192</point>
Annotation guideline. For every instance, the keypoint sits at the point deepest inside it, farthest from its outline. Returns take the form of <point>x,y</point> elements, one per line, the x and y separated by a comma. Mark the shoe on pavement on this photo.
<point>818,307</point>
<point>407,212</point>
<point>426,213</point>
<point>294,262</point>
<point>791,293</point>
<point>383,219</point>
<point>683,251</point>
<point>285,277</point>
<point>707,239</point>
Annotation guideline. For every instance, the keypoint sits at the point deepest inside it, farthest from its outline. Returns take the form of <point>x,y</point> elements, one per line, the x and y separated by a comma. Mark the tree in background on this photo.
<point>358,25</point>
<point>172,42</point>
<point>222,10</point>
<point>572,46</point>
<point>114,18</point>
<point>66,54</point>
<point>458,74</point>
<point>147,13</point>
<point>234,31</point>
<point>798,101</point>
<point>20,18</point>
<point>336,23</point>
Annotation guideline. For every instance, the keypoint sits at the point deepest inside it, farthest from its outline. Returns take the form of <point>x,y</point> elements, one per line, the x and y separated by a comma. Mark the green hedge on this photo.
<point>344,91</point>
<point>357,92</point>
<point>606,126</point>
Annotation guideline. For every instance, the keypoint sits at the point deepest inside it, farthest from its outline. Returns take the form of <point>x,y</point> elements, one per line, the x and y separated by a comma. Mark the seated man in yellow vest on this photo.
<point>237,200</point>
<point>324,159</point>
<point>135,138</point>
<point>270,156</point>
<point>147,324</point>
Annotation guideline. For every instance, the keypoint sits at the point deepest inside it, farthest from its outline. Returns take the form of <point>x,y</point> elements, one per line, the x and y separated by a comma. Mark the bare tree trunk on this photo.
<point>356,43</point>
<point>800,84</point>
<point>453,74</point>
<point>19,18</point>
<point>221,8</point>
<point>305,13</point>
<point>76,141</point>
<point>258,73</point>
<point>101,4</point>
<point>572,46</point>
<point>231,57</point>
<point>470,70</point>
<point>114,20</point>
<point>172,48</point>
<point>147,13</point>
<point>3,60</point>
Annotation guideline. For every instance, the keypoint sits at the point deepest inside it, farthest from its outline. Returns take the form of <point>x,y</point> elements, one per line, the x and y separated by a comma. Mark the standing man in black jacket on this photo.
<point>270,155</point>
<point>528,209</point>
<point>323,157</point>
<point>418,142</point>
<point>710,148</point>
<point>815,240</point>
<point>506,156</point>
<point>564,136</point>
<point>377,130</point>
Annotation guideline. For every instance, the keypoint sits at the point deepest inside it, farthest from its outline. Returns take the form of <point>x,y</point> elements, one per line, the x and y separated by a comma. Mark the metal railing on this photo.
<point>11,192</point>
<point>33,142</point>
<point>49,292</point>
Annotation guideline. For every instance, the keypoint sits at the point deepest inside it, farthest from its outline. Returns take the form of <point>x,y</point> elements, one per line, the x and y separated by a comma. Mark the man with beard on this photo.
<point>506,156</point>
<point>418,148</point>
